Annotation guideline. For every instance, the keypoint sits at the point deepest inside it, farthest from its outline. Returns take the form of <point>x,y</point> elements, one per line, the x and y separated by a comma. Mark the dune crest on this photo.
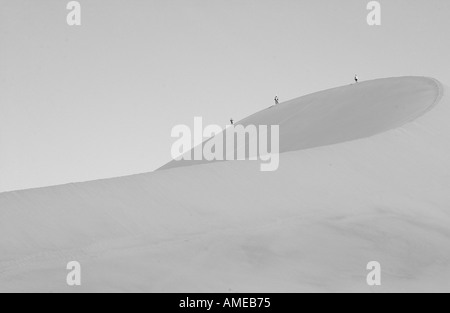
<point>343,114</point>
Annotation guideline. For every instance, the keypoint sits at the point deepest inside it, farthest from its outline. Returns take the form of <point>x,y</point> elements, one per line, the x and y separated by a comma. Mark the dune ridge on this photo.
<point>342,114</point>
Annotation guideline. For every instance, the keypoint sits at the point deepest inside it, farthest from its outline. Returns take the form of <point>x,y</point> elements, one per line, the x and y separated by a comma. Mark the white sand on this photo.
<point>364,177</point>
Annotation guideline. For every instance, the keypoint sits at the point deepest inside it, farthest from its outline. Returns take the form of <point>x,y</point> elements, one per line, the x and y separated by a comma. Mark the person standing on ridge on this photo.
<point>276,100</point>
<point>356,78</point>
<point>231,121</point>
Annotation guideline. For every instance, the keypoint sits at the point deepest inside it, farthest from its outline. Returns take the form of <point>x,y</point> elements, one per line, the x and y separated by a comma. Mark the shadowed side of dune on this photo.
<point>341,114</point>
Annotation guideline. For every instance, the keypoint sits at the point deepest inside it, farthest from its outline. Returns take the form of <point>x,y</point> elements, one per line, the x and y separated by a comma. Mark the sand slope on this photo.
<point>372,186</point>
<point>343,114</point>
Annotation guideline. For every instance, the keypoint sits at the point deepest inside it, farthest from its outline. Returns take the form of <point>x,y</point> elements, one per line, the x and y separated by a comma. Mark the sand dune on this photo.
<point>343,114</point>
<point>363,177</point>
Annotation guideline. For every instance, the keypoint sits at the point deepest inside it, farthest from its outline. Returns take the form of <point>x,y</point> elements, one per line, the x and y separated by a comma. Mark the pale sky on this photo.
<point>99,100</point>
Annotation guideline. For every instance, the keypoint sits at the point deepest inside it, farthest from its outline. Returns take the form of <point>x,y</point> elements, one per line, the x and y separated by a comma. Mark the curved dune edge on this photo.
<point>344,114</point>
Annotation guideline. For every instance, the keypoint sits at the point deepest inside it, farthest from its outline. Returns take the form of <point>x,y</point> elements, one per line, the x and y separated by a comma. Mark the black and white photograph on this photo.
<point>224,153</point>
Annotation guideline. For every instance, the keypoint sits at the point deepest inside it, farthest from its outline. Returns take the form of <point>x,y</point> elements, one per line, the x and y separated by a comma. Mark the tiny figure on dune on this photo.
<point>276,100</point>
<point>231,121</point>
<point>356,78</point>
